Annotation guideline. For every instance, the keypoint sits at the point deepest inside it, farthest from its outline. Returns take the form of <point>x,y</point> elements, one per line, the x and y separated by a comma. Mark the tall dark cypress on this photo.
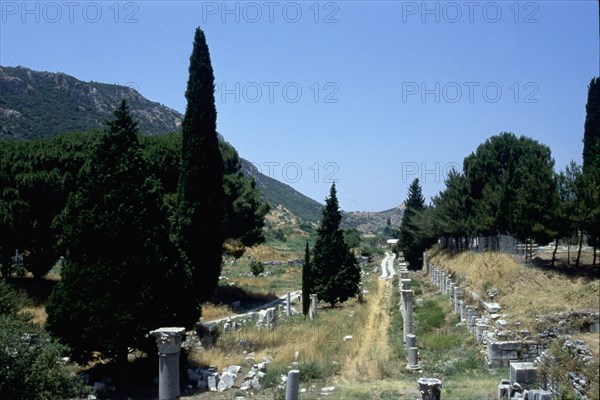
<point>199,231</point>
<point>306,282</point>
<point>335,274</point>
<point>591,133</point>
<point>590,185</point>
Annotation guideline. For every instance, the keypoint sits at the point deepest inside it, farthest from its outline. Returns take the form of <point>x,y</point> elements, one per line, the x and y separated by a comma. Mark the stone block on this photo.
<point>492,308</point>
<point>539,395</point>
<point>212,381</point>
<point>511,346</point>
<point>503,389</point>
<point>523,373</point>
<point>226,382</point>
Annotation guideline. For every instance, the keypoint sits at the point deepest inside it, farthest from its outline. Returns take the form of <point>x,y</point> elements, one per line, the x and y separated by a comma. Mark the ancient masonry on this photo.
<point>485,321</point>
<point>504,347</point>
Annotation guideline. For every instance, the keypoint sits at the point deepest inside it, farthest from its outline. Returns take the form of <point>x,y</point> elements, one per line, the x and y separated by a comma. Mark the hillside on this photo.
<point>373,221</point>
<point>277,193</point>
<point>39,104</point>
<point>35,104</point>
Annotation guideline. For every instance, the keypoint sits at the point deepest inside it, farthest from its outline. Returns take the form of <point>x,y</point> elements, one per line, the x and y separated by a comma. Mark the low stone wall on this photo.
<point>484,320</point>
<point>505,342</point>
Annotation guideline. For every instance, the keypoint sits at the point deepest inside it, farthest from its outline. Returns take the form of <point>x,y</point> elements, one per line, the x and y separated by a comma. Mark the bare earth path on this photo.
<point>371,347</point>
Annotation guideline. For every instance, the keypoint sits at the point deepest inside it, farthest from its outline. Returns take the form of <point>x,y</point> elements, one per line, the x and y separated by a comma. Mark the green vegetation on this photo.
<point>559,362</point>
<point>508,185</point>
<point>37,177</point>
<point>413,241</point>
<point>33,365</point>
<point>115,230</point>
<point>257,267</point>
<point>200,195</point>
<point>52,103</point>
<point>277,193</point>
<point>590,186</point>
<point>306,282</point>
<point>335,272</point>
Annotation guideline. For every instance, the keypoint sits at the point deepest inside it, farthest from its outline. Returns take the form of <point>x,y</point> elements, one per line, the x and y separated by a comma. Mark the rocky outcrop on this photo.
<point>37,104</point>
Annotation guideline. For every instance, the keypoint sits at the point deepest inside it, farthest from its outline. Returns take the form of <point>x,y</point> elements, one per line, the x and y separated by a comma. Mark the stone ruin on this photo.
<point>516,348</point>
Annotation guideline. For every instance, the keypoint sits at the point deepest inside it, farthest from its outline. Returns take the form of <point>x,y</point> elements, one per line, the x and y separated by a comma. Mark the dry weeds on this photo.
<point>525,293</point>
<point>370,351</point>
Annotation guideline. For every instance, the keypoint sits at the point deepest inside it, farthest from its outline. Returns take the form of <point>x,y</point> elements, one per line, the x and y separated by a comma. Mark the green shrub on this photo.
<point>311,370</point>
<point>31,365</point>
<point>429,317</point>
<point>256,267</point>
<point>11,301</point>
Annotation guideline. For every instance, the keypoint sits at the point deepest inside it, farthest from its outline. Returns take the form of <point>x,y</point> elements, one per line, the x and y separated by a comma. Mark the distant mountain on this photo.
<point>276,193</point>
<point>37,104</point>
<point>373,221</point>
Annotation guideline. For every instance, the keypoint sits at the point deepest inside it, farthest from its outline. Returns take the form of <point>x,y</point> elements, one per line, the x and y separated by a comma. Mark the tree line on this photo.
<point>142,222</point>
<point>509,185</point>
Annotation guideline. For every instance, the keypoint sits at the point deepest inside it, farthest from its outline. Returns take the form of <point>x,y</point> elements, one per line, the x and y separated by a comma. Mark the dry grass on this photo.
<point>215,311</point>
<point>37,313</point>
<point>319,340</point>
<point>370,351</point>
<point>524,292</point>
<point>592,341</point>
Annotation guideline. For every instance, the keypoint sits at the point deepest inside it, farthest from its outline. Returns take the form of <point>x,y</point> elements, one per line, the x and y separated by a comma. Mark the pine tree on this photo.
<point>306,273</point>
<point>335,271</point>
<point>512,186</point>
<point>410,242</point>
<point>120,277</point>
<point>244,210</point>
<point>199,225</point>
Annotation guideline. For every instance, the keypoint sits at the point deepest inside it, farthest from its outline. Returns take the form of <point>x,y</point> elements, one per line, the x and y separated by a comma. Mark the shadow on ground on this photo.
<point>248,300</point>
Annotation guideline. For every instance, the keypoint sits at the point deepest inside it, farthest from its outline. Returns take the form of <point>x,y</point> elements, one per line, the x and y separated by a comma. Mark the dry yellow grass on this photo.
<point>317,340</point>
<point>524,292</point>
<point>38,314</point>
<point>370,351</point>
<point>215,311</point>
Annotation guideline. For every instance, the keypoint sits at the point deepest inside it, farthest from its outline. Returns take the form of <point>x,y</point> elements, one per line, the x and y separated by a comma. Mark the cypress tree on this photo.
<point>306,272</point>
<point>199,229</point>
<point>590,185</point>
<point>119,279</point>
<point>591,133</point>
<point>335,271</point>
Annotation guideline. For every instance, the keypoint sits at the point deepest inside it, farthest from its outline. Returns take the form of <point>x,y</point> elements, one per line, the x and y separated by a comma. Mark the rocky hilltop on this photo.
<point>35,104</point>
<point>373,221</point>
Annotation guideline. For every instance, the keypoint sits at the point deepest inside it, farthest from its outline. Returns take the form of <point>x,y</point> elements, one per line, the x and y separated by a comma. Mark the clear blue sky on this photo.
<point>371,94</point>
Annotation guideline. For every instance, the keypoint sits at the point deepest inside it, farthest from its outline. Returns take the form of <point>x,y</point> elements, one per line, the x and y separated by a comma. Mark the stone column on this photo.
<point>411,341</point>
<point>312,313</point>
<point>169,346</point>
<point>413,358</point>
<point>288,306</point>
<point>361,295</point>
<point>292,384</point>
<point>457,294</point>
<point>451,293</point>
<point>408,317</point>
<point>430,388</point>
<point>404,285</point>
<point>463,310</point>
